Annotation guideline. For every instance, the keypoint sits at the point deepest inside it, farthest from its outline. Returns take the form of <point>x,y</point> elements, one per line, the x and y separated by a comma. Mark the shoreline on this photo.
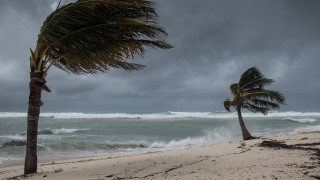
<point>290,156</point>
<point>6,163</point>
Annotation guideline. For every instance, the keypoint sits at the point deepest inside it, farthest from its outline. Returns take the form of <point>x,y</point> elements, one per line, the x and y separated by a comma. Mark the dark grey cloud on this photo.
<point>215,41</point>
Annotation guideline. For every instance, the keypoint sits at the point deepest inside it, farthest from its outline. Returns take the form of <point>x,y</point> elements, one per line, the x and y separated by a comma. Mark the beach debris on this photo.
<point>110,176</point>
<point>58,170</point>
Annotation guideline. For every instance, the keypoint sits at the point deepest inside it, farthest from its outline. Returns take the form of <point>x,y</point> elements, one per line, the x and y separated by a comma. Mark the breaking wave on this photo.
<point>59,131</point>
<point>307,129</point>
<point>92,146</point>
<point>13,143</point>
<point>302,120</point>
<point>209,137</point>
<point>165,115</point>
<point>122,132</point>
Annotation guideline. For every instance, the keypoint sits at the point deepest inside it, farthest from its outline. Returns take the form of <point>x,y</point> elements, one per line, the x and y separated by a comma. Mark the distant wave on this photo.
<point>13,143</point>
<point>13,137</point>
<point>12,114</point>
<point>67,131</point>
<point>59,131</point>
<point>307,129</point>
<point>212,136</point>
<point>45,131</point>
<point>164,115</point>
<point>302,120</point>
<point>91,146</point>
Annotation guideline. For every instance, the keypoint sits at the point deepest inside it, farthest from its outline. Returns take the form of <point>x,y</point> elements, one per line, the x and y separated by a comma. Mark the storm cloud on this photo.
<point>214,42</point>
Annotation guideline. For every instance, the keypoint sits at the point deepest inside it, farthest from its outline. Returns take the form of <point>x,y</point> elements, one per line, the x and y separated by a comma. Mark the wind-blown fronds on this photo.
<point>233,89</point>
<point>249,75</point>
<point>256,83</point>
<point>255,109</point>
<point>88,37</point>
<point>272,96</point>
<point>227,104</point>
<point>92,36</point>
<point>249,93</point>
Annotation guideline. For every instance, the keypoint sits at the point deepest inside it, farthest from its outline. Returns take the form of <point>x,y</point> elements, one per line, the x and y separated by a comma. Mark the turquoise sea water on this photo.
<point>79,134</point>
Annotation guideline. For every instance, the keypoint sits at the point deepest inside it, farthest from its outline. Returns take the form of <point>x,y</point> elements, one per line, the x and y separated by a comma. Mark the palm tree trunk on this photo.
<point>245,133</point>
<point>36,85</point>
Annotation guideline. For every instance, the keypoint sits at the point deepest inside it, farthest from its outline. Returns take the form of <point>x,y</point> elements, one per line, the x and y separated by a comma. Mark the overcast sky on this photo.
<point>215,42</point>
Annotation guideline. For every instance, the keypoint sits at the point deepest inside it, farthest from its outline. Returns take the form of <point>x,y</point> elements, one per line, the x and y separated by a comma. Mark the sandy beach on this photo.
<point>283,157</point>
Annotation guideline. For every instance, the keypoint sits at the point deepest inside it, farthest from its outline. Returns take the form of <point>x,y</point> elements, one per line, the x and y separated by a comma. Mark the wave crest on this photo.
<point>13,143</point>
<point>83,146</point>
<point>301,120</point>
<point>164,115</point>
<point>67,131</point>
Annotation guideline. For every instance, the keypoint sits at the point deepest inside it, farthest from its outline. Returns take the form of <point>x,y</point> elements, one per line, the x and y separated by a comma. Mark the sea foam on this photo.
<point>214,136</point>
<point>165,115</point>
<point>302,120</point>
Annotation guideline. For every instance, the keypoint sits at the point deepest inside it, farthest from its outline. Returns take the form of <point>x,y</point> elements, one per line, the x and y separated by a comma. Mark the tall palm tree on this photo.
<point>250,93</point>
<point>88,37</point>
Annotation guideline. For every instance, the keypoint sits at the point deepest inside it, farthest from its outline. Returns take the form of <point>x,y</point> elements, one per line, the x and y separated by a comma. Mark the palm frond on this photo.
<point>92,36</point>
<point>234,89</point>
<point>227,104</point>
<point>249,75</point>
<point>269,95</point>
<point>256,83</point>
<point>264,103</point>
<point>255,109</point>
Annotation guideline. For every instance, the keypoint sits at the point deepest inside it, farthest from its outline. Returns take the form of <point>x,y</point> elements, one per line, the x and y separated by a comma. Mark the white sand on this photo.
<point>238,160</point>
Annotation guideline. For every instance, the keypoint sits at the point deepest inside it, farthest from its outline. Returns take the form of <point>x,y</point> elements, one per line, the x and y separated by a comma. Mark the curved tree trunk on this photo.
<point>36,85</point>
<point>245,133</point>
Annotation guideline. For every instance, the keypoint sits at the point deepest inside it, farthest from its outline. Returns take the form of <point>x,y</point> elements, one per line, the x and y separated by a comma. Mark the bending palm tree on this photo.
<point>249,93</point>
<point>88,37</point>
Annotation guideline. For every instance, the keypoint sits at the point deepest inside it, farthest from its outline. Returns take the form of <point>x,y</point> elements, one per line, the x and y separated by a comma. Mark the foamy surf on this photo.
<point>164,115</point>
<point>79,134</point>
<point>302,120</point>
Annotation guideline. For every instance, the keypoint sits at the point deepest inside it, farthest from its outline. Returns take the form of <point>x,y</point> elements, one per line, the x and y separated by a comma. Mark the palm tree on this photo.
<point>88,37</point>
<point>250,93</point>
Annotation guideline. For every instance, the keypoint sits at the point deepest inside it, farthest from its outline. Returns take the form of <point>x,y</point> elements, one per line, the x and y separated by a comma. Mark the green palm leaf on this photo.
<point>256,83</point>
<point>249,75</point>
<point>92,36</point>
<point>255,108</point>
<point>234,89</point>
<point>264,103</point>
<point>269,95</point>
<point>227,104</point>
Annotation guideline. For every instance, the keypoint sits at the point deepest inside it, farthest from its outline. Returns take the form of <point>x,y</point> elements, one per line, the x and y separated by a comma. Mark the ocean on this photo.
<point>80,134</point>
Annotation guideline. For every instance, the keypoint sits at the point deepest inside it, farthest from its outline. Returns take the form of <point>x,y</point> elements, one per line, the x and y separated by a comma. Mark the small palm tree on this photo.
<point>88,37</point>
<point>249,93</point>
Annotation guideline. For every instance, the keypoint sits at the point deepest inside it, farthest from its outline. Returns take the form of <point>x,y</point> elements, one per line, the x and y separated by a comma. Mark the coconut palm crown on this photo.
<point>250,93</point>
<point>89,37</point>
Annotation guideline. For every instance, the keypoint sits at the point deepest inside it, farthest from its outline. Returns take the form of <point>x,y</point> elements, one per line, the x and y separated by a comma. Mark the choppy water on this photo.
<point>78,134</point>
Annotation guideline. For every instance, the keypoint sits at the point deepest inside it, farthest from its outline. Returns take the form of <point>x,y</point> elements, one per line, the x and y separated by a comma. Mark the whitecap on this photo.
<point>12,114</point>
<point>302,120</point>
<point>215,136</point>
<point>67,131</point>
<point>164,115</point>
<point>13,137</point>
<point>307,129</point>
